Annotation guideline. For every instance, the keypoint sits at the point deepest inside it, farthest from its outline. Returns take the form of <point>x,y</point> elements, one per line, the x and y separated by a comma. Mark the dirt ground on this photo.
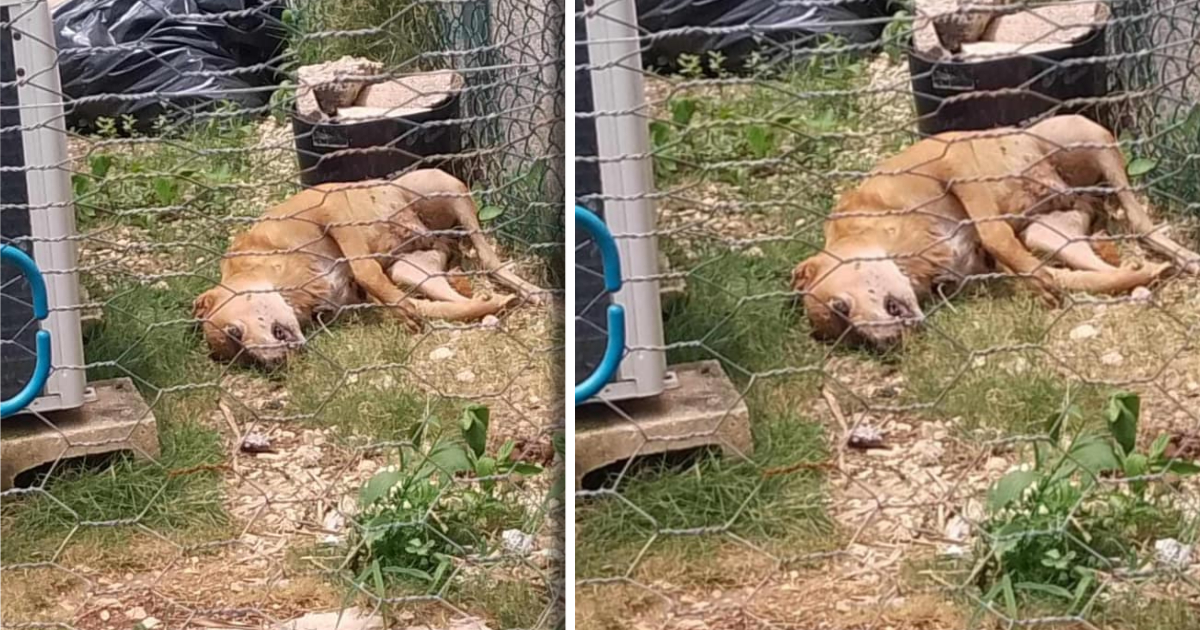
<point>902,506</point>
<point>290,505</point>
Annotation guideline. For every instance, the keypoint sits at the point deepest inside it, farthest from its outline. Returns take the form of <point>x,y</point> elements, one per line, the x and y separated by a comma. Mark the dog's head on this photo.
<point>863,299</point>
<point>249,323</point>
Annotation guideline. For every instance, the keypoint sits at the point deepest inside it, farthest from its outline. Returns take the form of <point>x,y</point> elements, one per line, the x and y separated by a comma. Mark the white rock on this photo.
<point>1172,553</point>
<point>136,613</point>
<point>441,354</point>
<point>1141,294</point>
<point>491,321</point>
<point>995,464</point>
<point>350,619</point>
<point>517,541</point>
<point>150,623</point>
<point>465,376</point>
<point>1084,331</point>
<point>1112,358</point>
<point>105,615</point>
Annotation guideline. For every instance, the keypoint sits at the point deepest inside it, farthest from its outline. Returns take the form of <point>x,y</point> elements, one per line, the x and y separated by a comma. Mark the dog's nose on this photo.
<point>885,342</point>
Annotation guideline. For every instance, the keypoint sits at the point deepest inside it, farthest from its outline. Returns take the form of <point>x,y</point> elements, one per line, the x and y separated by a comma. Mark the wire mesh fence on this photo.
<point>299,263</point>
<point>924,365</point>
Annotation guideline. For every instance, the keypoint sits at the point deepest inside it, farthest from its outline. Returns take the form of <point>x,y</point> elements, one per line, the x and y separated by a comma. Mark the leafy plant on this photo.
<point>441,501</point>
<point>1081,508</point>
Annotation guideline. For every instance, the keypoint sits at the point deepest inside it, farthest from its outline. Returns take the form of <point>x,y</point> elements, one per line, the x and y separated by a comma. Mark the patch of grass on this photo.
<point>981,360</point>
<point>739,309</point>
<point>711,495</point>
<point>193,170</point>
<point>786,121</point>
<point>116,501</point>
<point>396,33</point>
<point>143,337</point>
<point>509,603</point>
<point>1055,528</point>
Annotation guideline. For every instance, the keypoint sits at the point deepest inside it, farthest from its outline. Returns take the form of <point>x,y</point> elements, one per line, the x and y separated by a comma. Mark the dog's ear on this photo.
<point>804,274</point>
<point>202,307</point>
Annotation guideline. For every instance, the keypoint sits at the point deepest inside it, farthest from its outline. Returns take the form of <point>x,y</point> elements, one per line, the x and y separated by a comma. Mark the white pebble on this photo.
<point>1084,331</point>
<point>441,354</point>
<point>465,376</point>
<point>491,321</point>
<point>1112,358</point>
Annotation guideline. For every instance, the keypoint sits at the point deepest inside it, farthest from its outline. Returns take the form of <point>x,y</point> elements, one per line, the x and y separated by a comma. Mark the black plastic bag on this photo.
<point>737,28</point>
<point>154,58</point>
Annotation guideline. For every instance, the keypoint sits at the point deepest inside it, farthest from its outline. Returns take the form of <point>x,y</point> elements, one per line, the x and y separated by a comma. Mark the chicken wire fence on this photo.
<point>389,471</point>
<point>1008,463</point>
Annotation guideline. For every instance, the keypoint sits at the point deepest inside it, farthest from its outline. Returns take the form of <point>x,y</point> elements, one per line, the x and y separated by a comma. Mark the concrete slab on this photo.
<point>704,410</point>
<point>117,420</point>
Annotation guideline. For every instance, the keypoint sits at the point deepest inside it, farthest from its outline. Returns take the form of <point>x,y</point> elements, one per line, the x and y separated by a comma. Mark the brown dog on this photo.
<point>320,249</point>
<point>960,204</point>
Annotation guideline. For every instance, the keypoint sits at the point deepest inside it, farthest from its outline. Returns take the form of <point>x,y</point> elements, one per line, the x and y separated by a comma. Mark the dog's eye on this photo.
<point>839,306</point>
<point>895,307</point>
<point>281,333</point>
<point>234,332</point>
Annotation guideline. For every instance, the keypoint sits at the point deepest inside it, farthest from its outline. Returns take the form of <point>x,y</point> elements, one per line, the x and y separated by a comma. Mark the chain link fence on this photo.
<point>842,443</point>
<point>274,401</point>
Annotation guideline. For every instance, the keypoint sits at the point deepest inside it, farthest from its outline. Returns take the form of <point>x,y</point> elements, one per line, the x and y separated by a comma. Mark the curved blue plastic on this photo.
<point>616,315</point>
<point>41,310</point>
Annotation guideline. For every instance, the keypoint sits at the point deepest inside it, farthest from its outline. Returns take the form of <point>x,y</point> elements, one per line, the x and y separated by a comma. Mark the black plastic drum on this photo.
<point>962,96</point>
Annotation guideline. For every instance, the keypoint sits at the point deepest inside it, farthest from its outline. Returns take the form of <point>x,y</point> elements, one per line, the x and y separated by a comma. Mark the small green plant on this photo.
<point>896,35</point>
<point>443,499</point>
<point>145,179</point>
<point>1083,507</point>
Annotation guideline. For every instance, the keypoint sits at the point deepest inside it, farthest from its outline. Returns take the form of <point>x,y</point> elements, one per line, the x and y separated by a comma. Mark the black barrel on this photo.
<point>968,95</point>
<point>353,151</point>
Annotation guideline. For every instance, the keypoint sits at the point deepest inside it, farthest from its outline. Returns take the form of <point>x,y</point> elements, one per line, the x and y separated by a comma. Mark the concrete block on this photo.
<point>704,410</point>
<point>117,420</point>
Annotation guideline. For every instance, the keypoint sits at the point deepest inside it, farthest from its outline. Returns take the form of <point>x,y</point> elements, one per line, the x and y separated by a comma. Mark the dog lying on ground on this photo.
<point>961,204</point>
<point>323,248</point>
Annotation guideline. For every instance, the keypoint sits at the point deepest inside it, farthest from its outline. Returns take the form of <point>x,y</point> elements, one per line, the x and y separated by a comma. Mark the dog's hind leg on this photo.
<point>425,271</point>
<point>1064,235</point>
<point>447,203</point>
<point>1112,167</point>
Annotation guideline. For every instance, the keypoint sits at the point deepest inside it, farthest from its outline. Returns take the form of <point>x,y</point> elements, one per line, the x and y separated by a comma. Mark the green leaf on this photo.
<point>1010,599</point>
<point>1094,456</point>
<point>682,111</point>
<point>80,185</point>
<point>485,467</point>
<point>1159,447</point>
<point>490,213</point>
<point>1010,487</point>
<point>1191,126</point>
<point>1122,413</point>
<point>475,421</point>
<point>1047,589</point>
<point>378,486</point>
<point>506,450</point>
<point>559,441</point>
<point>760,139</point>
<point>1182,468</point>
<point>166,191</point>
<point>1087,577</point>
<point>449,458</point>
<point>660,134</point>
<point>1136,465</point>
<point>100,165</point>
<point>526,468</point>
<point>1141,166</point>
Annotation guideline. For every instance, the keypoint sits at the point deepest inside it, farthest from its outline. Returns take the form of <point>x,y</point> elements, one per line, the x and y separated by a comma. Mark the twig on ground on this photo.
<point>235,450</point>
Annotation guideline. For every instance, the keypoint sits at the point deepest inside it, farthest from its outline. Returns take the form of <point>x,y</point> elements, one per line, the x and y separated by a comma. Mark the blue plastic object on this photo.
<point>41,310</point>
<point>604,372</point>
